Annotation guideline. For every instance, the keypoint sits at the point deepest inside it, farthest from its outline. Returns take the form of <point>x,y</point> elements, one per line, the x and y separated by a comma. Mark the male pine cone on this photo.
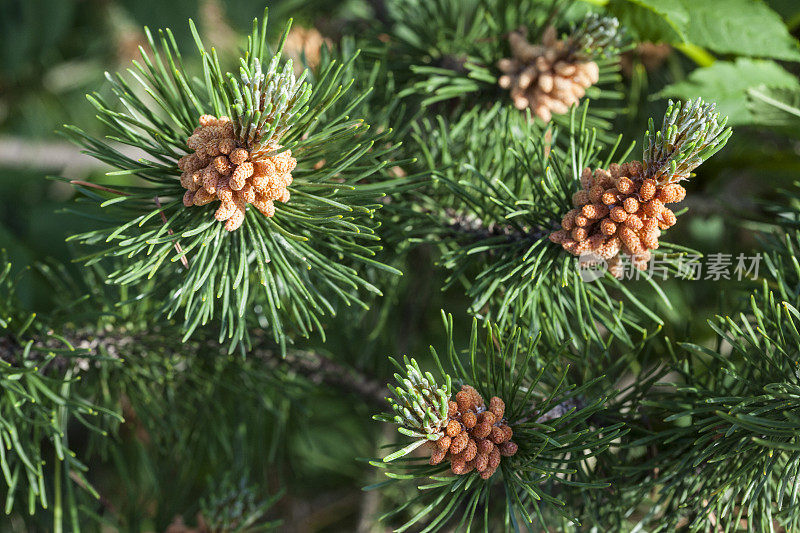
<point>623,210</point>
<point>548,78</point>
<point>221,169</point>
<point>618,211</point>
<point>476,437</point>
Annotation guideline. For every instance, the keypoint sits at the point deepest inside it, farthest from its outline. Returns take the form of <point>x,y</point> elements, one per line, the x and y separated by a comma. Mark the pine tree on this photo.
<point>414,273</point>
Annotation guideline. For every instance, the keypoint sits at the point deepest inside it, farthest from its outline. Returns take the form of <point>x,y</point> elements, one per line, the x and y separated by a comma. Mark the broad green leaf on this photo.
<point>727,83</point>
<point>779,108</point>
<point>645,22</point>
<point>741,27</point>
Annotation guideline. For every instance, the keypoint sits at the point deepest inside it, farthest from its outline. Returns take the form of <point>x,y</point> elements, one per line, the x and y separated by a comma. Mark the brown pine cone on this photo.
<point>647,190</point>
<point>618,212</point>
<point>464,401</point>
<point>509,448</point>
<point>469,438</point>
<point>469,466</point>
<point>494,458</point>
<point>453,428</point>
<point>452,409</point>
<point>546,78</point>
<point>437,456</point>
<point>482,430</point>
<point>668,217</point>
<point>469,419</point>
<point>469,452</point>
<point>481,462</point>
<point>458,467</point>
<point>459,443</point>
<point>498,435</point>
<point>485,446</point>
<point>477,399</point>
<point>218,166</point>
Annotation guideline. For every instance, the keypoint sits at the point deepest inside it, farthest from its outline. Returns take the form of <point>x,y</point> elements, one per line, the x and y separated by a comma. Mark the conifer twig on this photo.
<point>98,187</point>
<point>272,123</point>
<point>317,367</point>
<point>321,369</point>
<point>472,225</point>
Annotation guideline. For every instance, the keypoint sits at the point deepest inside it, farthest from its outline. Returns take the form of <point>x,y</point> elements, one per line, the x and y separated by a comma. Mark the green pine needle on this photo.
<point>551,427</point>
<point>690,133</point>
<point>597,36</point>
<point>283,273</point>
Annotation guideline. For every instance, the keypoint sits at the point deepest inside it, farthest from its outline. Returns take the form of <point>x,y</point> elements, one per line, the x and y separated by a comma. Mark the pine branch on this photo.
<point>458,59</point>
<point>503,388</point>
<point>321,369</point>
<point>512,185</point>
<point>225,147</point>
<point>318,368</point>
<point>39,377</point>
<point>472,226</point>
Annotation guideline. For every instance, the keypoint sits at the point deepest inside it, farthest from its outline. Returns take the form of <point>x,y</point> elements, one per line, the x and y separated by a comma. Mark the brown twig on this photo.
<point>468,224</point>
<point>316,367</point>
<point>98,187</point>
<point>556,411</point>
<point>320,369</point>
<point>561,409</point>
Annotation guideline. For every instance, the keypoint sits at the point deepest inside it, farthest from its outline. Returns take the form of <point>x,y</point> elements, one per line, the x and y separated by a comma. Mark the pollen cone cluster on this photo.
<point>221,169</point>
<point>548,78</point>
<point>303,46</point>
<point>476,437</point>
<point>618,211</point>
